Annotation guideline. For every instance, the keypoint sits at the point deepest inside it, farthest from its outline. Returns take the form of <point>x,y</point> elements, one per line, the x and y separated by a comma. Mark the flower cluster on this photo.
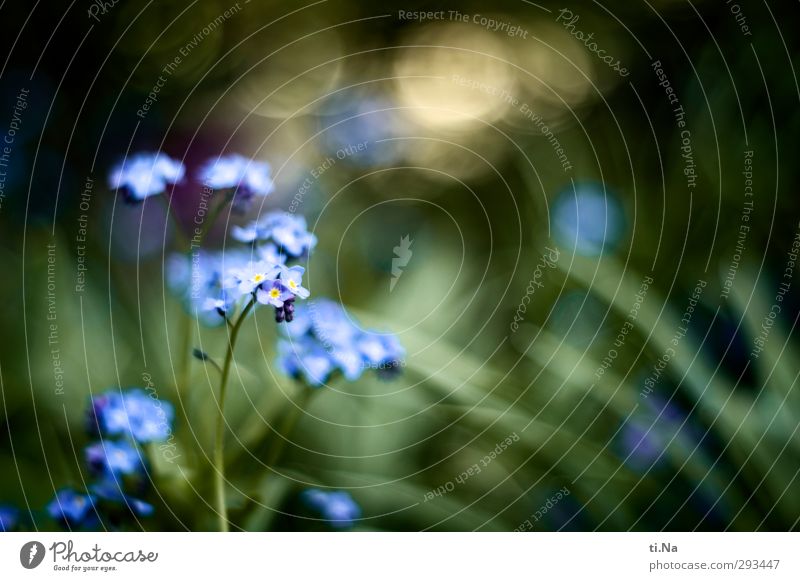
<point>215,284</point>
<point>324,339</point>
<point>285,232</point>
<point>337,506</point>
<point>122,421</point>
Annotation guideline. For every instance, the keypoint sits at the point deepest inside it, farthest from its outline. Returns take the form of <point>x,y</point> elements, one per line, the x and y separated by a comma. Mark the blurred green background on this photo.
<point>451,158</point>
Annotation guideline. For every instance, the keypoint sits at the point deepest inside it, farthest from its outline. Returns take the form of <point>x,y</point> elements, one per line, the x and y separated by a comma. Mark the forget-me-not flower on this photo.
<point>145,174</point>
<point>132,413</point>
<point>337,507</point>
<point>114,497</point>
<point>247,177</point>
<point>287,231</point>
<point>9,516</point>
<point>324,340</point>
<point>113,459</point>
<point>588,219</point>
<point>73,509</point>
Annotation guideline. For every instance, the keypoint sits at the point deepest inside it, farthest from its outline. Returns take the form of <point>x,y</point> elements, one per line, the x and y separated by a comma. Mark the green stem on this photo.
<point>186,347</point>
<point>288,425</point>
<point>208,223</point>
<point>173,216</point>
<point>219,454</point>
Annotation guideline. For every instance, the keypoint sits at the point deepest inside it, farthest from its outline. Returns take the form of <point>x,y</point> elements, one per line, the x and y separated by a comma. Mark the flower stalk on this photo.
<point>219,442</point>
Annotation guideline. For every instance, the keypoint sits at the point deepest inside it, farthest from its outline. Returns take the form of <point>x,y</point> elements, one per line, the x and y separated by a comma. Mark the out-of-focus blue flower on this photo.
<point>337,507</point>
<point>644,438</point>
<point>269,252</point>
<point>381,352</point>
<point>324,339</point>
<point>73,509</point>
<point>113,459</point>
<point>133,413</point>
<point>307,360</point>
<point>145,174</point>
<point>288,232</point>
<point>588,219</point>
<point>111,492</point>
<point>249,178</point>
<point>9,516</point>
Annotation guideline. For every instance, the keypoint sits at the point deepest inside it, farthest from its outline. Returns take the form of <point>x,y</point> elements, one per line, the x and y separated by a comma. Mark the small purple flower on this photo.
<point>133,413</point>
<point>113,459</point>
<point>273,293</point>
<point>145,174</point>
<point>73,509</point>
<point>337,507</point>
<point>9,516</point>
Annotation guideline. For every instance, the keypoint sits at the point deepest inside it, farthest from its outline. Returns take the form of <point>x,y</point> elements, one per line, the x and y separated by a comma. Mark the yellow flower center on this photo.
<point>274,293</point>
<point>292,285</point>
<point>258,278</point>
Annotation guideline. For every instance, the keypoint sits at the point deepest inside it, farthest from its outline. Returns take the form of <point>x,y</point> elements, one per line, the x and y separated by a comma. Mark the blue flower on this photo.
<point>9,516</point>
<point>73,509</point>
<point>337,507</point>
<point>287,231</point>
<point>292,279</point>
<point>588,219</point>
<point>291,234</point>
<point>112,493</point>
<point>381,352</point>
<point>134,414</point>
<point>273,293</point>
<point>248,177</point>
<point>307,360</point>
<point>269,252</point>
<point>113,459</point>
<point>331,323</point>
<point>324,339</point>
<point>145,174</point>
<point>250,277</point>
<point>380,349</point>
<point>200,279</point>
